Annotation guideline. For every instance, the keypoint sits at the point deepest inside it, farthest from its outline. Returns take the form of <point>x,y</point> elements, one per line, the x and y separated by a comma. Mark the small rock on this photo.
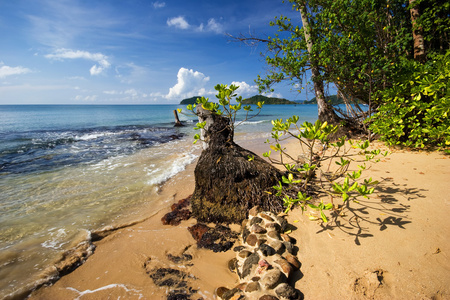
<point>244,223</point>
<point>244,253</point>
<point>293,261</point>
<point>178,259</point>
<point>266,250</point>
<point>183,203</point>
<point>289,247</point>
<point>272,278</point>
<point>249,264</point>
<point>238,248</point>
<point>263,265</point>
<point>256,278</point>
<point>284,290</point>
<point>285,237</point>
<point>285,267</point>
<point>229,294</point>
<point>283,223</point>
<point>278,246</point>
<point>255,220</point>
<point>232,265</point>
<point>245,233</point>
<point>260,242</point>
<point>252,240</point>
<point>218,239</point>
<point>252,287</point>
<point>254,211</point>
<point>273,226</point>
<point>175,217</point>
<point>256,228</point>
<point>267,217</point>
<point>198,230</point>
<point>268,297</point>
<point>274,235</point>
<point>220,291</point>
<point>238,297</point>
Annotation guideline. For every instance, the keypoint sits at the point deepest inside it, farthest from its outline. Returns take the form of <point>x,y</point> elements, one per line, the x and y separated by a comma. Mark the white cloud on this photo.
<point>130,73</point>
<point>131,92</point>
<point>127,95</point>
<point>245,90</point>
<point>158,4</point>
<point>9,71</point>
<point>181,23</point>
<point>213,26</point>
<point>178,22</point>
<point>112,92</point>
<point>101,59</point>
<point>86,98</point>
<point>189,83</point>
<point>273,94</point>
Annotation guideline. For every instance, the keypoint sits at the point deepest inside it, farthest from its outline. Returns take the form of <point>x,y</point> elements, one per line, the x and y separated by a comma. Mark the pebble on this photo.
<point>257,228</point>
<point>293,261</point>
<point>271,279</point>
<point>284,290</point>
<point>252,240</point>
<point>252,287</point>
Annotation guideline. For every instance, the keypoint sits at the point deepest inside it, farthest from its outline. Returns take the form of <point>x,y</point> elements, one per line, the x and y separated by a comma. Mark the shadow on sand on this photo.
<point>389,199</point>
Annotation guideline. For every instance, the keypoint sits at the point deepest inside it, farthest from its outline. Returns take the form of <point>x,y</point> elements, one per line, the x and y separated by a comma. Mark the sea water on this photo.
<point>68,170</point>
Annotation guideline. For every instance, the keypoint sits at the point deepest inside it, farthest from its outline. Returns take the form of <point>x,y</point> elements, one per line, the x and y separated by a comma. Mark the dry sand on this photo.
<point>395,245</point>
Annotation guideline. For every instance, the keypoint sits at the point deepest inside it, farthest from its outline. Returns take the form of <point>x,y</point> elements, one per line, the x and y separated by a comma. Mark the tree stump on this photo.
<point>227,183</point>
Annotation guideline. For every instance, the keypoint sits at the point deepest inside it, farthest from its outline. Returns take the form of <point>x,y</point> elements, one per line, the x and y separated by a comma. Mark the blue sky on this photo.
<point>130,51</point>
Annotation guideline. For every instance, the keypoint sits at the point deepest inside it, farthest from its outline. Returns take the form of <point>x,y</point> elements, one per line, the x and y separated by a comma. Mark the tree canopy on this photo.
<point>365,48</point>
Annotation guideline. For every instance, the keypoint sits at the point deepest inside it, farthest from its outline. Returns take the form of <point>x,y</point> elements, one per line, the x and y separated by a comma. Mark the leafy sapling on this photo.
<point>309,174</point>
<point>226,96</point>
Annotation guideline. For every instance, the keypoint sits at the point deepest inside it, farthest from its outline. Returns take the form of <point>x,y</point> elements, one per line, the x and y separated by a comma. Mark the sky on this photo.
<point>132,51</point>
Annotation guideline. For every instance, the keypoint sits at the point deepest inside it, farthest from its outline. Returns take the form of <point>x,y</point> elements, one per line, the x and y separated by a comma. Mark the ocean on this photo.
<point>67,170</point>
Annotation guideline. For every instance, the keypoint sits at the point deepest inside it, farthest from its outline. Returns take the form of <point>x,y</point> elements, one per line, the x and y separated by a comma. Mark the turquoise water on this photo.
<point>68,170</point>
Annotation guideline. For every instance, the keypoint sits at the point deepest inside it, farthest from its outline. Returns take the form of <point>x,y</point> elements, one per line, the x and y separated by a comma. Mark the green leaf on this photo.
<point>324,218</point>
<point>345,197</point>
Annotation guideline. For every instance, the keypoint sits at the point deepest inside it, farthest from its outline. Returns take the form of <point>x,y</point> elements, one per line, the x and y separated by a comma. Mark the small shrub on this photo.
<point>311,172</point>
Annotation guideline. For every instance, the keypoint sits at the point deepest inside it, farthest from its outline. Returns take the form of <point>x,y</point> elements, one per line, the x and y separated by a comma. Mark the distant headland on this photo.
<point>252,100</point>
<point>333,99</point>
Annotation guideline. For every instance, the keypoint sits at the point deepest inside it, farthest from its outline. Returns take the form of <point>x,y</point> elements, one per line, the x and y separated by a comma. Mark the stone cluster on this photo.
<point>180,211</point>
<point>265,260</point>
<point>218,239</point>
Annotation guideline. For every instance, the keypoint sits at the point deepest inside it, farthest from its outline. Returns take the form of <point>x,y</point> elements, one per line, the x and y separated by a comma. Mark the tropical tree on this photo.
<point>365,48</point>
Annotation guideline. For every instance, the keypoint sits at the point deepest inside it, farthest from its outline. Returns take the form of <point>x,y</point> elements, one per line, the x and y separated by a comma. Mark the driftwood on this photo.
<point>227,183</point>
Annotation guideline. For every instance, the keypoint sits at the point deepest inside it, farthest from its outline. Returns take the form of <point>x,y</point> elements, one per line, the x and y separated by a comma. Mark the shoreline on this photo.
<point>174,189</point>
<point>390,256</point>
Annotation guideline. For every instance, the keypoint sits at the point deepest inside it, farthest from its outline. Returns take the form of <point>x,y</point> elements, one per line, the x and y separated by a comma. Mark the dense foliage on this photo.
<point>415,111</point>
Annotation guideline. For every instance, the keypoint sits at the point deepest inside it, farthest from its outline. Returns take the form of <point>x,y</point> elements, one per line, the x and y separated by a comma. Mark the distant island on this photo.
<point>333,100</point>
<point>192,100</point>
<point>266,100</point>
<point>251,100</point>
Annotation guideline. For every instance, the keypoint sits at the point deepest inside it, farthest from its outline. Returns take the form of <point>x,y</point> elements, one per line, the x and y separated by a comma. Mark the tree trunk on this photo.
<point>177,120</point>
<point>325,110</point>
<point>419,45</point>
<point>230,180</point>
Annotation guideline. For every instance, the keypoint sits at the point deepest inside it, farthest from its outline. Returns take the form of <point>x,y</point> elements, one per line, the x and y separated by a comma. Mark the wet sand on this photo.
<point>392,246</point>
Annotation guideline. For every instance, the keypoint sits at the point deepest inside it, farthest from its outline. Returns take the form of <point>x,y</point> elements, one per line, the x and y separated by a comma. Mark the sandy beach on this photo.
<point>392,246</point>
